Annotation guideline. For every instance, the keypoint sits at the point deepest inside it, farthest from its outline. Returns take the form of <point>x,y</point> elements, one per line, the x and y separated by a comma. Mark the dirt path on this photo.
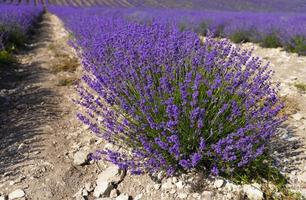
<point>39,133</point>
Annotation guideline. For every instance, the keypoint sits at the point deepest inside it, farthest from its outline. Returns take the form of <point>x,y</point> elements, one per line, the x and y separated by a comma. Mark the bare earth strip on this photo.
<point>39,132</point>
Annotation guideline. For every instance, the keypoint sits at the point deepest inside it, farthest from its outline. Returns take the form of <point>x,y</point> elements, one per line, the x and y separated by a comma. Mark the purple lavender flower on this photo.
<point>175,101</point>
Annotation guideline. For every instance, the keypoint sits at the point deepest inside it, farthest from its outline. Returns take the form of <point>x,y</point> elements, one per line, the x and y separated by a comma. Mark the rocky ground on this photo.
<point>44,148</point>
<point>290,71</point>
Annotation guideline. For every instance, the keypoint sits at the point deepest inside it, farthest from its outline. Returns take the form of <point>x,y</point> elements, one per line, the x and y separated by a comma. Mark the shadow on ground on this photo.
<point>288,150</point>
<point>26,108</point>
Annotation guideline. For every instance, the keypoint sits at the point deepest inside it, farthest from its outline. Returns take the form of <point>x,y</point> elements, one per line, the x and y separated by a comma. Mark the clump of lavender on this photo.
<point>170,100</point>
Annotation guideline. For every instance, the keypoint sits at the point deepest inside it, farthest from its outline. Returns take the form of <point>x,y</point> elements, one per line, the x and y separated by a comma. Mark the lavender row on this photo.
<point>283,29</point>
<point>15,22</point>
<point>170,101</point>
<point>287,30</point>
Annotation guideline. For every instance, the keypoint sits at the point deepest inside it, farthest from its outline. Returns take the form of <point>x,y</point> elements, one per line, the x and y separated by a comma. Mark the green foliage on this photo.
<point>65,64</point>
<point>298,45</point>
<point>300,86</point>
<point>15,39</point>
<point>182,26</point>
<point>271,41</point>
<point>66,82</point>
<point>262,171</point>
<point>220,30</point>
<point>259,170</point>
<point>202,28</point>
<point>240,36</point>
<point>6,58</point>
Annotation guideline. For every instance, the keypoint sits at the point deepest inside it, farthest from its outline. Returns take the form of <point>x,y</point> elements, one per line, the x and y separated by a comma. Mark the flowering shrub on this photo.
<point>171,101</point>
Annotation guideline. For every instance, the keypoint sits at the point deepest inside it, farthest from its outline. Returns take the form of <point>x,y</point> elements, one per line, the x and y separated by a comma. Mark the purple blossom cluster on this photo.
<point>15,19</point>
<point>169,99</point>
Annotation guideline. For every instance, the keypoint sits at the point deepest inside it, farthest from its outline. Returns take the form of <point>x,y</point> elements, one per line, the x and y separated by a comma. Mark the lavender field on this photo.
<point>152,99</point>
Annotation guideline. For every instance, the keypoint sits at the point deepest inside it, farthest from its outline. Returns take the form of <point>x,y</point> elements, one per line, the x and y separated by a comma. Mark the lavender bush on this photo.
<point>171,101</point>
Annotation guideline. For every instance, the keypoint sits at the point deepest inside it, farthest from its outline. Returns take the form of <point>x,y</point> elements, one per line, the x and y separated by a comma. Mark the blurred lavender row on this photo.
<point>15,22</point>
<point>229,5</point>
<point>279,29</point>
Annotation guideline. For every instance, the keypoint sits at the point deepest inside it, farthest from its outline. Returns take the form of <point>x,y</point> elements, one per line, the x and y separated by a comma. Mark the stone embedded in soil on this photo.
<point>157,186</point>
<point>180,185</point>
<point>114,193</point>
<point>173,191</point>
<point>302,177</point>
<point>182,196</point>
<point>138,197</point>
<point>196,195</point>
<point>219,183</point>
<point>168,185</point>
<point>297,116</point>
<point>103,189</point>
<point>111,174</point>
<point>84,193</point>
<point>80,158</point>
<point>16,194</point>
<point>81,194</point>
<point>123,197</point>
<point>89,187</point>
<point>207,195</point>
<point>252,192</point>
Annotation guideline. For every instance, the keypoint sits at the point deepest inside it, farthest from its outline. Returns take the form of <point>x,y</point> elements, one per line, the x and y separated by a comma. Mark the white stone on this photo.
<point>196,195</point>
<point>302,177</point>
<point>114,193</point>
<point>160,175</point>
<point>173,191</point>
<point>2,198</point>
<point>89,187</point>
<point>167,185</point>
<point>79,194</point>
<point>112,147</point>
<point>297,116</point>
<point>110,174</point>
<point>207,195</point>
<point>229,196</point>
<point>252,192</point>
<point>182,196</point>
<point>229,186</point>
<point>157,186</point>
<point>16,194</point>
<point>174,180</point>
<point>219,183</point>
<point>103,189</point>
<point>292,139</point>
<point>84,193</point>
<point>123,197</point>
<point>138,197</point>
<point>180,185</point>
<point>80,158</point>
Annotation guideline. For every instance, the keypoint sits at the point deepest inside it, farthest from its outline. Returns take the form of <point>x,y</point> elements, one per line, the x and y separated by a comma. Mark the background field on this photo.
<point>252,5</point>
